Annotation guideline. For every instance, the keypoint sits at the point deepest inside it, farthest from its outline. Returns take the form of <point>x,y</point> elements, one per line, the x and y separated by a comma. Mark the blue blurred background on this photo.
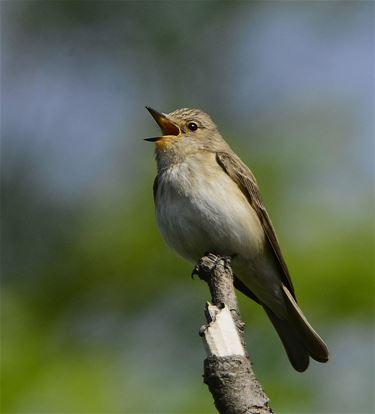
<point>98,316</point>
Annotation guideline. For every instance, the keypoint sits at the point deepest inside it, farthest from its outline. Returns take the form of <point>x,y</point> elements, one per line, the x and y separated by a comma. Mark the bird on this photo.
<point>207,200</point>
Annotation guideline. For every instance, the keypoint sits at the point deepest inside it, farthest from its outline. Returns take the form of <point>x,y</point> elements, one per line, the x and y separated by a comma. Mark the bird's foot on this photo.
<point>195,271</point>
<point>208,263</point>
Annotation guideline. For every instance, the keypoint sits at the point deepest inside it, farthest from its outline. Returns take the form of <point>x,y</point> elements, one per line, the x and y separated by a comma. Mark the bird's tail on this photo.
<point>298,337</point>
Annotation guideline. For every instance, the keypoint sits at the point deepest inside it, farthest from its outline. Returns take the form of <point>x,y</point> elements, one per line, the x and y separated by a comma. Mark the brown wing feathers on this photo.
<point>244,178</point>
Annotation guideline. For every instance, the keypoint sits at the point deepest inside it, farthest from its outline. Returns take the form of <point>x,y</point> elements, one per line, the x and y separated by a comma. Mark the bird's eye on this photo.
<point>192,126</point>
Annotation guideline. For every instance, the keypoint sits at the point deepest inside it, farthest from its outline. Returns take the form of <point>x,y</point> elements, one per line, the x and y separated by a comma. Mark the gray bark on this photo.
<point>230,378</point>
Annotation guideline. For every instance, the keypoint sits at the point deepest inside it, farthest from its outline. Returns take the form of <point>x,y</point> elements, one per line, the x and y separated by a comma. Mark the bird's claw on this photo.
<point>201,267</point>
<point>195,271</point>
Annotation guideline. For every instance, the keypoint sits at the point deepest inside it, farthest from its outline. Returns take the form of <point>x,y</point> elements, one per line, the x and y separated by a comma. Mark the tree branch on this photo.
<point>227,368</point>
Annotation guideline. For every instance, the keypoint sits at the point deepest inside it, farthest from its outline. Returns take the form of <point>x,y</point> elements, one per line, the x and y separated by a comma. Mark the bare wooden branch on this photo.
<point>227,368</point>
<point>220,336</point>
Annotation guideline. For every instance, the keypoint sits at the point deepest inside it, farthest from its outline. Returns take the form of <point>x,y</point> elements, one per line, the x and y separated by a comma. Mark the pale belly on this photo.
<point>208,212</point>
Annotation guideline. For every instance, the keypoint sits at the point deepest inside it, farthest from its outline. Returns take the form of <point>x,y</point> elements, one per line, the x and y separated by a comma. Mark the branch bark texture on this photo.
<point>227,368</point>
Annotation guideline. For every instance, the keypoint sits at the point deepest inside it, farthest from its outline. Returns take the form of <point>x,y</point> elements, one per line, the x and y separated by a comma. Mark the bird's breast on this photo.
<point>199,208</point>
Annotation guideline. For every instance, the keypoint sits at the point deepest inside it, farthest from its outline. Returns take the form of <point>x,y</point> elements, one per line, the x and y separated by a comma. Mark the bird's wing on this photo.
<point>238,284</point>
<point>245,180</point>
<point>155,187</point>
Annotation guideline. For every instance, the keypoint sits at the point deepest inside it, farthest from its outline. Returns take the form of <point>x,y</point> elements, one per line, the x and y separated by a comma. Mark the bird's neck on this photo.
<point>167,158</point>
<point>173,154</point>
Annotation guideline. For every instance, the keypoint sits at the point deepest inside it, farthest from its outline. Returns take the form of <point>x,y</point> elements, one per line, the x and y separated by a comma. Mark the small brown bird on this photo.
<point>207,200</point>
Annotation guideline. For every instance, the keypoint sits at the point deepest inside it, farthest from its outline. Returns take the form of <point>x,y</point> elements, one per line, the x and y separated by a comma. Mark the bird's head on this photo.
<point>183,130</point>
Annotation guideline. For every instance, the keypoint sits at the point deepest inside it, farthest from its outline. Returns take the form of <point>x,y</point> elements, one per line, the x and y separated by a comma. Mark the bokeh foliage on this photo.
<point>97,314</point>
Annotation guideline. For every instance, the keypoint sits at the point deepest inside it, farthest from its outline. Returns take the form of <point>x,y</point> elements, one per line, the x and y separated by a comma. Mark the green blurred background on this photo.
<point>98,316</point>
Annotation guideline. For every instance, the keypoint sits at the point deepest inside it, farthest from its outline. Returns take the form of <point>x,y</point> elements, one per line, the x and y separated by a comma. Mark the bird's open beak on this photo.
<point>167,127</point>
